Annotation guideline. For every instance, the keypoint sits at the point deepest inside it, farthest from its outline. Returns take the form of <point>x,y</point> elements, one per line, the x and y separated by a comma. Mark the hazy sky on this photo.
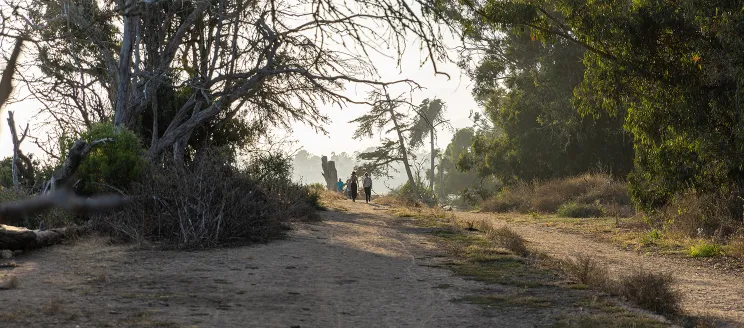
<point>455,92</point>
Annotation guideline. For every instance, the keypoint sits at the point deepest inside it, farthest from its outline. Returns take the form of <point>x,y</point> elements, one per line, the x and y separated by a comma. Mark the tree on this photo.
<point>672,66</point>
<point>271,62</point>
<point>454,181</point>
<point>385,116</point>
<point>429,115</point>
<point>526,88</point>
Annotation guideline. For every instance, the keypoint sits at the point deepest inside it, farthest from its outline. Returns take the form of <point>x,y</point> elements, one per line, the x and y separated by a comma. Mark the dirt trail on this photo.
<point>351,270</point>
<point>706,291</point>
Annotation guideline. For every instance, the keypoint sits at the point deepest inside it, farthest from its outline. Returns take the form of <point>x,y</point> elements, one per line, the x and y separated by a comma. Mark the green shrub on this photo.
<point>112,164</point>
<point>704,249</point>
<point>576,210</point>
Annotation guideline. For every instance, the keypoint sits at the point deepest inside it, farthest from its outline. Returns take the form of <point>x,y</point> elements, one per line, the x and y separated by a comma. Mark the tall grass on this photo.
<point>591,189</point>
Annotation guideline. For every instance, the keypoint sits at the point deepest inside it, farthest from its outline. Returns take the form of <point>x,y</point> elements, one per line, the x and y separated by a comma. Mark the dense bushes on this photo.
<point>212,203</point>
<point>580,196</point>
<point>114,163</point>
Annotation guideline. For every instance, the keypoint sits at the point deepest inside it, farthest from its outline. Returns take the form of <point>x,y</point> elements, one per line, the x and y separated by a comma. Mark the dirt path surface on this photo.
<point>706,291</point>
<point>351,270</point>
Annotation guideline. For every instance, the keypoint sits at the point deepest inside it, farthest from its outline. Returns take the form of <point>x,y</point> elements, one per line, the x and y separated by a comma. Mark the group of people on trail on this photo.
<point>352,186</point>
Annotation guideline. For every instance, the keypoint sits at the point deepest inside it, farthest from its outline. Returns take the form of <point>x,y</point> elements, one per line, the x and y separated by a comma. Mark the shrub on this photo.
<point>590,190</point>
<point>586,270</point>
<point>576,210</point>
<point>210,203</point>
<point>651,291</point>
<point>735,247</point>
<point>694,214</point>
<point>704,249</point>
<point>116,163</point>
<point>509,239</point>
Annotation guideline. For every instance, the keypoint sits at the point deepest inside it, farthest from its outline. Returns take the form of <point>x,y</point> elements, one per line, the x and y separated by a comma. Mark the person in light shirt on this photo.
<point>367,184</point>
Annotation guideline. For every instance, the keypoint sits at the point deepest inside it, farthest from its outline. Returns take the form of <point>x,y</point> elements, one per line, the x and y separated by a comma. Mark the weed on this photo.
<point>735,247</point>
<point>704,249</point>
<point>510,240</point>
<point>651,291</point>
<point>651,237</point>
<point>586,270</point>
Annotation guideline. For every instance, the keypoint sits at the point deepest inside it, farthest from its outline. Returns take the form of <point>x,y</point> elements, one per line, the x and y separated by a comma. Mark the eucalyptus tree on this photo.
<point>181,65</point>
<point>429,115</point>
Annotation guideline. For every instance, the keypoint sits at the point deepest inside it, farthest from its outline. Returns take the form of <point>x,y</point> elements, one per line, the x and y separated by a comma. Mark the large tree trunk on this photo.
<point>15,238</point>
<point>329,173</point>
<point>403,150</point>
<point>121,115</point>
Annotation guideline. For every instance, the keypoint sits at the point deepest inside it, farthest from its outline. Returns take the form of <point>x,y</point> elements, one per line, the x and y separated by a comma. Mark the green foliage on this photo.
<point>114,163</point>
<point>668,68</point>
<point>704,249</point>
<point>575,210</point>
<point>526,88</point>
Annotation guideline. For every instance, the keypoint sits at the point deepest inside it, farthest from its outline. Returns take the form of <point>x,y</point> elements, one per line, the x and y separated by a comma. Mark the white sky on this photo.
<point>455,92</point>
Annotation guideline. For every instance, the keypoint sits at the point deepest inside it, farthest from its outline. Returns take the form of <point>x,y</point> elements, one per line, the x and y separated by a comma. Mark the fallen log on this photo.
<point>16,238</point>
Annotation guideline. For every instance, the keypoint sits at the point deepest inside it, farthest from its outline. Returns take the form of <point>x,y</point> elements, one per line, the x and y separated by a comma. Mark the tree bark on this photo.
<point>15,238</point>
<point>329,173</point>
<point>75,156</point>
<point>431,176</point>
<point>14,138</point>
<point>125,63</point>
<point>402,145</point>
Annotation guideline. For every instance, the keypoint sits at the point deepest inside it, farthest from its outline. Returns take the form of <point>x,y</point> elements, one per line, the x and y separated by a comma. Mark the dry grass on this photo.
<point>651,291</point>
<point>505,238</point>
<point>548,196</point>
<point>735,247</point>
<point>586,270</point>
<point>694,214</point>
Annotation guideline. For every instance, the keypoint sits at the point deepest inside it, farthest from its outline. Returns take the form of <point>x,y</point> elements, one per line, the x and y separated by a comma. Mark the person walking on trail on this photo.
<point>340,186</point>
<point>367,184</point>
<point>348,187</point>
<point>354,187</point>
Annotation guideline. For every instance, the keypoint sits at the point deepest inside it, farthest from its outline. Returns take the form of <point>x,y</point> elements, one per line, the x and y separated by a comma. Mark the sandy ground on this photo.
<point>351,270</point>
<point>359,268</point>
<point>706,291</point>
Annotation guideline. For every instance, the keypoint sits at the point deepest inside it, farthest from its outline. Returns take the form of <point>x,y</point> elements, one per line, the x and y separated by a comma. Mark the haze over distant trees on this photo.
<point>307,168</point>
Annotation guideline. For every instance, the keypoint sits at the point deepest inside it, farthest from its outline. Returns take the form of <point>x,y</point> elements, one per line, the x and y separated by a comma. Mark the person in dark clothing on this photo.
<point>367,184</point>
<point>353,186</point>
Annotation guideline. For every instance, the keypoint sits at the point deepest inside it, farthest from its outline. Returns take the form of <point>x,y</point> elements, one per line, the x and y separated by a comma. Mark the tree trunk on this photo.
<point>329,173</point>
<point>75,156</point>
<point>403,150</point>
<point>431,176</point>
<point>14,137</point>
<point>15,238</point>
<point>125,64</point>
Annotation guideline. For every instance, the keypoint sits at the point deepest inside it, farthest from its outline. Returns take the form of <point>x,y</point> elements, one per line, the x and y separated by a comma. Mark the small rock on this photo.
<point>6,254</point>
<point>447,208</point>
